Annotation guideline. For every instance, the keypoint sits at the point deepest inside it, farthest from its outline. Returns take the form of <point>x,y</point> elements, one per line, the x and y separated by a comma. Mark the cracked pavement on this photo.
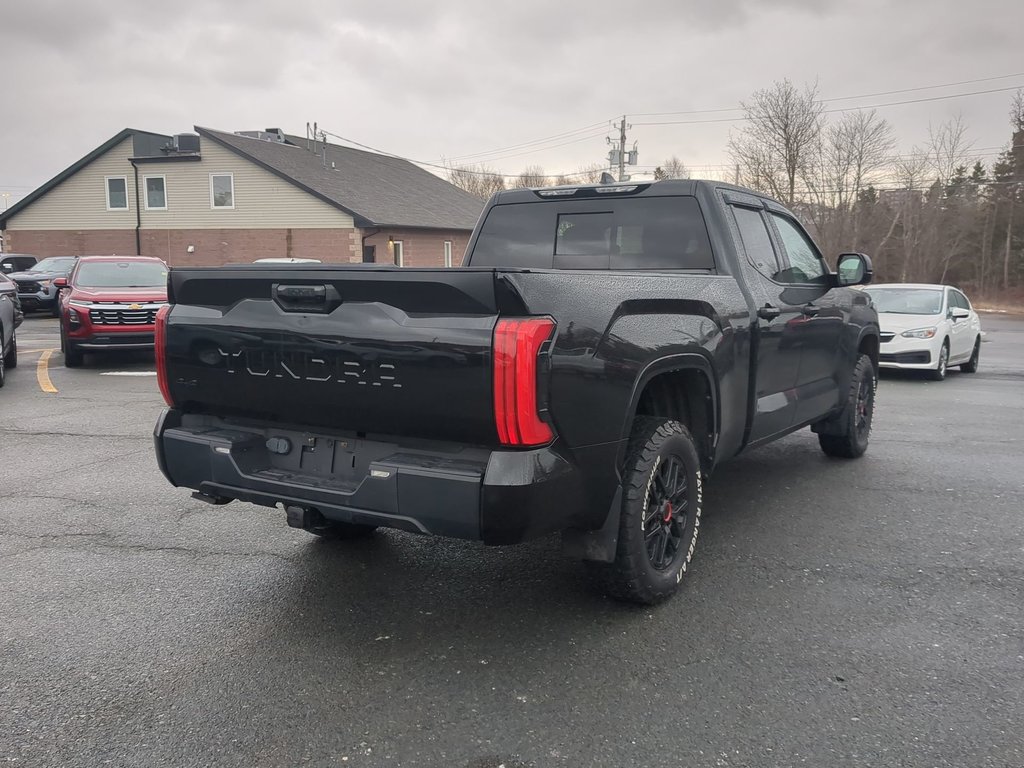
<point>866,613</point>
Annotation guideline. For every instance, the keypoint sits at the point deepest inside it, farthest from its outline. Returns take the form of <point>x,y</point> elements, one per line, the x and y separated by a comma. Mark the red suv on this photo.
<point>110,302</point>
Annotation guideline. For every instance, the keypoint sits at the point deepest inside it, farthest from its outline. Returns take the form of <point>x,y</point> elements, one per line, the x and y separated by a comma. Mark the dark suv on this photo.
<point>35,285</point>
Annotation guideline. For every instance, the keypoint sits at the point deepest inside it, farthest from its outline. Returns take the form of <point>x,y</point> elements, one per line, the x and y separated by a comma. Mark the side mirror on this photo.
<point>959,313</point>
<point>853,269</point>
<point>60,282</point>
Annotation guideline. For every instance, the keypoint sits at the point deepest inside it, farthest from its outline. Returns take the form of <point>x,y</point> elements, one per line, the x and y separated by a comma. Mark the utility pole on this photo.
<point>622,149</point>
<point>618,155</point>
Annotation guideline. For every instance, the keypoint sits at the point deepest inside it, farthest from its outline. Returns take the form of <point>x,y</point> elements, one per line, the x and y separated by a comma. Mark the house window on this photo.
<point>222,190</point>
<point>156,193</point>
<point>399,253</point>
<point>117,193</point>
<point>447,253</point>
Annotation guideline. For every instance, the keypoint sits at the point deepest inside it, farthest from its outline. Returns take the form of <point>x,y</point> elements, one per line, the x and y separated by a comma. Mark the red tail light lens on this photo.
<point>160,345</point>
<point>517,343</point>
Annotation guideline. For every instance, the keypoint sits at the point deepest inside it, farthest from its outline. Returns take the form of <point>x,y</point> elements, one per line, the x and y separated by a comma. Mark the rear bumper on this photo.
<point>498,497</point>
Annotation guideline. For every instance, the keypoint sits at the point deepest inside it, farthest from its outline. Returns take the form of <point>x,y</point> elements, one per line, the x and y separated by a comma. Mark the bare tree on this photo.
<point>850,156</point>
<point>781,133</point>
<point>948,148</point>
<point>479,180</point>
<point>673,168</point>
<point>532,176</point>
<point>588,174</point>
<point>1017,111</point>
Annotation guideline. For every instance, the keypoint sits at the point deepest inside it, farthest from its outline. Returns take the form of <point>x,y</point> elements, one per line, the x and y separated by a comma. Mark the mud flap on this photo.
<point>598,545</point>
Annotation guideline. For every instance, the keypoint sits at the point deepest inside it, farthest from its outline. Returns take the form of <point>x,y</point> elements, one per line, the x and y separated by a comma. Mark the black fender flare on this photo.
<point>599,545</point>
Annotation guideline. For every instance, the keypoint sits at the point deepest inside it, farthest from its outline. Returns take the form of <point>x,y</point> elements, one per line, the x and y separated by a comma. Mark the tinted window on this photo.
<point>959,300</point>
<point>652,233</point>
<point>756,241</point>
<point>805,264</point>
<point>121,274</point>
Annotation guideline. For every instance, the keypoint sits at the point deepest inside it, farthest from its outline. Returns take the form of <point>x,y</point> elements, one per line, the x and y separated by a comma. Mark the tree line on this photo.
<point>935,213</point>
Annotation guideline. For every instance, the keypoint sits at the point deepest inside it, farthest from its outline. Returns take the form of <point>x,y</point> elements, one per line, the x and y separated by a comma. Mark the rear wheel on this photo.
<point>939,373</point>
<point>3,359</point>
<point>660,516</point>
<point>846,435</point>
<point>971,366</point>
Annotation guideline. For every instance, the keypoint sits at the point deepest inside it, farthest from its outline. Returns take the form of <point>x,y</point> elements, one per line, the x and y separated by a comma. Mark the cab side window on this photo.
<point>756,241</point>
<point>805,262</point>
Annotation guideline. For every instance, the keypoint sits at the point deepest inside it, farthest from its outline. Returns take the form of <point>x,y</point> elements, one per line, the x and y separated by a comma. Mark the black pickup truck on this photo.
<point>601,350</point>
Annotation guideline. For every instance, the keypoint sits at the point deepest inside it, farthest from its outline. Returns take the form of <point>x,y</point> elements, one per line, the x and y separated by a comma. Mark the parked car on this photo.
<point>926,328</point>
<point>10,318</point>
<point>10,288</point>
<point>36,287</point>
<point>287,260</point>
<point>601,351</point>
<point>110,302</point>
<point>15,262</point>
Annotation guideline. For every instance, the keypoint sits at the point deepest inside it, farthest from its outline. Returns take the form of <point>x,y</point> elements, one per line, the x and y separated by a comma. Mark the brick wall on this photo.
<point>211,246</point>
<point>421,247</point>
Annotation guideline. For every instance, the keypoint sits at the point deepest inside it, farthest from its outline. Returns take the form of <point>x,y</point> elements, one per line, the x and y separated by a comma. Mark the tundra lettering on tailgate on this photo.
<point>311,366</point>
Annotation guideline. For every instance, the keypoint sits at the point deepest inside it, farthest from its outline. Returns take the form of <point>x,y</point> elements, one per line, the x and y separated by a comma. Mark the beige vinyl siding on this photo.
<point>80,202</point>
<point>262,200</point>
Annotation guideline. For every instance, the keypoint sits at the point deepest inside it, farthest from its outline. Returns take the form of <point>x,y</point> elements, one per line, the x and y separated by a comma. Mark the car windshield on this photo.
<point>907,301</point>
<point>54,264</point>
<point>122,274</point>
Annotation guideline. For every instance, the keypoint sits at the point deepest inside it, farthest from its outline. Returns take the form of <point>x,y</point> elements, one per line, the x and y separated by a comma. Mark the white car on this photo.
<point>926,327</point>
<point>287,260</point>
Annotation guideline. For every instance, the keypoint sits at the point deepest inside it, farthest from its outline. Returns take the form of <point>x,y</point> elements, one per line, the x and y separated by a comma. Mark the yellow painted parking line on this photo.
<point>43,373</point>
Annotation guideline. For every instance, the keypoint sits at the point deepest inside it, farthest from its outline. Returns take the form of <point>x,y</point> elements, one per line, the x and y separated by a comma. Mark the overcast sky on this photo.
<point>450,79</point>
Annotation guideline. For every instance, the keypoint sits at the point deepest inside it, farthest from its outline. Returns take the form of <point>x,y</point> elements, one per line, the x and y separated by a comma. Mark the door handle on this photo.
<point>768,312</point>
<point>810,310</point>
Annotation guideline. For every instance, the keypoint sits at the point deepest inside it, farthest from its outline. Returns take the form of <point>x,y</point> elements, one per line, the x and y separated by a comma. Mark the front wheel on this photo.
<point>846,434</point>
<point>660,516</point>
<point>11,358</point>
<point>971,366</point>
<point>939,373</point>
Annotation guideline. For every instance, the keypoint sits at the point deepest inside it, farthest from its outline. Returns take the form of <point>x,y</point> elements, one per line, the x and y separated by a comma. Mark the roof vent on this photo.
<point>271,134</point>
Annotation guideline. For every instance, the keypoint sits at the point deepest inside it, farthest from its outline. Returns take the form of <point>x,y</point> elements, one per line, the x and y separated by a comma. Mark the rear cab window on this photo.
<point>616,233</point>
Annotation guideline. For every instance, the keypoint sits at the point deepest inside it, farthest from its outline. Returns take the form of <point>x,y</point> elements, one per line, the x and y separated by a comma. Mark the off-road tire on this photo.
<point>656,444</point>
<point>846,435</point>
<point>971,366</point>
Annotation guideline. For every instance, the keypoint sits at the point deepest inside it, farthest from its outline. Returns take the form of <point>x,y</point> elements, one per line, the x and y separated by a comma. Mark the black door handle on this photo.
<point>768,312</point>
<point>306,298</point>
<point>810,310</point>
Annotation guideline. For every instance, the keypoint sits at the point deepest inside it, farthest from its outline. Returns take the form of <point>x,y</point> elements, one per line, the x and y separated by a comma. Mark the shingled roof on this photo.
<point>377,190</point>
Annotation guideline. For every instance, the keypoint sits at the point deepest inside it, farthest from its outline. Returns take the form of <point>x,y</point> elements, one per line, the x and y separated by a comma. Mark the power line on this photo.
<point>544,140</point>
<point>839,98</point>
<point>844,109</point>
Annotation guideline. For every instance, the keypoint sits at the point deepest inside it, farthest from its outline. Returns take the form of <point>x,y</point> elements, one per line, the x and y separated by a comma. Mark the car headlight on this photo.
<point>919,333</point>
<point>73,318</point>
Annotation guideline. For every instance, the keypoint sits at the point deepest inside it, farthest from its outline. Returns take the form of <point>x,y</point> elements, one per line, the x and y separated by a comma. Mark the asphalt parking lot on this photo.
<point>865,613</point>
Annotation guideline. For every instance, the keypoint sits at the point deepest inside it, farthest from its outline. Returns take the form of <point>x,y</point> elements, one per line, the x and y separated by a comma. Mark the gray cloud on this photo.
<point>451,78</point>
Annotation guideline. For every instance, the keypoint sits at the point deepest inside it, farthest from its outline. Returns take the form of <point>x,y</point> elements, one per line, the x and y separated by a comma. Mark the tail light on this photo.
<point>160,346</point>
<point>517,345</point>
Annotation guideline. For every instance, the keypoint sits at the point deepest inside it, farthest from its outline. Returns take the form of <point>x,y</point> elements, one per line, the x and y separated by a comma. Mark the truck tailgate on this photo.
<point>378,351</point>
